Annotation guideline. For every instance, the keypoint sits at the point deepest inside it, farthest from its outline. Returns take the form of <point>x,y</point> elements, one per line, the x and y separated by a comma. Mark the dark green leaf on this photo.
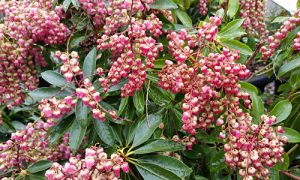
<point>81,113</point>
<point>159,96</point>
<point>237,45</point>
<point>123,104</point>
<point>282,110</point>
<point>104,132</point>
<point>217,162</point>
<point>184,18</point>
<point>154,172</point>
<point>89,64</point>
<point>146,128</point>
<point>139,101</point>
<point>171,164</point>
<point>163,4</point>
<point>76,40</point>
<point>233,6</point>
<point>77,133</point>
<point>288,67</point>
<point>158,145</point>
<point>39,166</point>
<point>294,80</point>
<point>18,125</point>
<point>54,78</point>
<point>292,135</point>
<point>60,128</point>
<point>257,107</point>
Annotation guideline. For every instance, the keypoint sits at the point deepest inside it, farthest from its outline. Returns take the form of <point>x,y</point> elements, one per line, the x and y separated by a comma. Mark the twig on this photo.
<point>294,177</point>
<point>251,58</point>
<point>292,149</point>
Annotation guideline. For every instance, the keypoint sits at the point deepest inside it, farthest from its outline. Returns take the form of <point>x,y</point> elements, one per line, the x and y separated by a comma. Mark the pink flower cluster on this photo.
<point>203,6</point>
<point>253,11</point>
<point>131,48</point>
<point>274,41</point>
<point>55,108</point>
<point>70,68</point>
<point>25,23</point>
<point>187,141</point>
<point>31,145</point>
<point>297,42</point>
<point>253,148</point>
<point>95,165</point>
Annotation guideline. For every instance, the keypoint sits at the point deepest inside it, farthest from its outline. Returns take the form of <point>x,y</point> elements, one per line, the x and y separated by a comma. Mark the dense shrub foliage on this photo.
<point>147,89</point>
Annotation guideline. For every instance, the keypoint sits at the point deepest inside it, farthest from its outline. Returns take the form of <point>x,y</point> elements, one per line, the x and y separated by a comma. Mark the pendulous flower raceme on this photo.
<point>25,23</point>
<point>203,6</point>
<point>31,145</point>
<point>94,165</point>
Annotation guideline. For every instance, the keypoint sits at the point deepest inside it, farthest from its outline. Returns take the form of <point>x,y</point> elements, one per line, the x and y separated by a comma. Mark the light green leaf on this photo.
<point>39,166</point>
<point>237,45</point>
<point>89,64</point>
<point>184,18</point>
<point>282,110</point>
<point>66,4</point>
<point>248,87</point>
<point>76,4</point>
<point>292,135</point>
<point>280,19</point>
<point>54,78</point>
<point>158,145</point>
<point>123,104</point>
<point>288,67</point>
<point>257,107</point>
<point>232,29</point>
<point>163,4</point>
<point>233,6</point>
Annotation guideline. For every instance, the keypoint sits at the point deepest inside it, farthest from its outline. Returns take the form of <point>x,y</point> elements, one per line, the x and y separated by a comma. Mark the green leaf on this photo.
<point>184,18</point>
<point>159,63</point>
<point>217,162</point>
<point>171,164</point>
<point>76,40</point>
<point>288,67</point>
<point>163,4</point>
<point>280,19</point>
<point>298,4</point>
<point>139,101</point>
<point>89,64</point>
<point>159,96</point>
<point>45,92</point>
<point>60,128</point>
<point>232,29</point>
<point>66,4</point>
<point>294,80</point>
<point>248,87</point>
<point>284,165</point>
<point>282,110</point>
<point>257,107</point>
<point>81,113</point>
<point>155,172</point>
<point>76,4</point>
<point>104,132</point>
<point>123,104</point>
<point>158,145</point>
<point>292,135</point>
<point>39,166</point>
<point>77,133</point>
<point>237,45</point>
<point>146,128</point>
<point>54,78</point>
<point>233,6</point>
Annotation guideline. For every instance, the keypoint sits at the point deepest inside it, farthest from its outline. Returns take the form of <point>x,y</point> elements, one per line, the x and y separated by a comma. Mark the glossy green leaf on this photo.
<point>288,67</point>
<point>104,132</point>
<point>45,92</point>
<point>184,18</point>
<point>89,64</point>
<point>159,96</point>
<point>81,112</point>
<point>139,101</point>
<point>158,145</point>
<point>171,164</point>
<point>294,80</point>
<point>163,4</point>
<point>217,162</point>
<point>237,45</point>
<point>77,133</point>
<point>145,129</point>
<point>123,104</point>
<point>282,110</point>
<point>284,165</point>
<point>292,135</point>
<point>54,78</point>
<point>248,87</point>
<point>39,166</point>
<point>232,29</point>
<point>280,19</point>
<point>60,128</point>
<point>233,6</point>
<point>257,107</point>
<point>155,172</point>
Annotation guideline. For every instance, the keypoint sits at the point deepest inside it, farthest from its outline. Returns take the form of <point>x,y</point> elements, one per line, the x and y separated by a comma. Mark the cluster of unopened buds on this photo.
<point>297,42</point>
<point>252,148</point>
<point>187,141</point>
<point>203,6</point>
<point>253,13</point>
<point>56,108</point>
<point>274,41</point>
<point>95,165</point>
<point>25,23</point>
<point>126,47</point>
<point>31,145</point>
<point>70,68</point>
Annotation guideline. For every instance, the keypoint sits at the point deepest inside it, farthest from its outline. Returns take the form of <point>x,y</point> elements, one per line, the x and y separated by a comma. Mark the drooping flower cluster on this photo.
<point>251,148</point>
<point>131,50</point>
<point>297,42</point>
<point>56,108</point>
<point>274,41</point>
<point>25,23</point>
<point>31,145</point>
<point>253,11</point>
<point>203,6</point>
<point>187,141</point>
<point>95,165</point>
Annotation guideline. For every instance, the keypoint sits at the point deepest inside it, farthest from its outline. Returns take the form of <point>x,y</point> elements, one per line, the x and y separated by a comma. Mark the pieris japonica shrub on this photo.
<point>146,89</point>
